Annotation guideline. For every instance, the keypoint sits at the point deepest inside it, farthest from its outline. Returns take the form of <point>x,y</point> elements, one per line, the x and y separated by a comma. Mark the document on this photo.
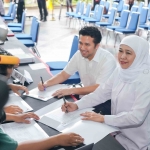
<point>37,66</point>
<point>91,131</point>
<point>24,132</point>
<point>59,120</point>
<point>14,99</point>
<point>28,77</point>
<point>47,94</point>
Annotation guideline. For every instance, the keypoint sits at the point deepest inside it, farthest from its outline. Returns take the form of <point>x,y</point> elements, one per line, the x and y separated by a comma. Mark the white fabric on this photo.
<point>96,71</point>
<point>130,106</point>
<point>142,60</point>
<point>2,11</point>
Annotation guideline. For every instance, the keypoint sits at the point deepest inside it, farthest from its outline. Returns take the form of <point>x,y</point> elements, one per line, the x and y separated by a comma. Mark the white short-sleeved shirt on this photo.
<point>130,109</point>
<point>92,72</point>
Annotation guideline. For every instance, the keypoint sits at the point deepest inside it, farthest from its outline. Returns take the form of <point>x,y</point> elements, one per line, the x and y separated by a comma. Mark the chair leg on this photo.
<point>115,39</point>
<point>148,35</point>
<point>35,50</point>
<point>107,36</point>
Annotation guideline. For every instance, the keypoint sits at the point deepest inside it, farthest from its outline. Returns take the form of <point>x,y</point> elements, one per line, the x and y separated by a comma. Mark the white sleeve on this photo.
<point>100,95</point>
<point>72,67</point>
<point>138,113</point>
<point>106,71</point>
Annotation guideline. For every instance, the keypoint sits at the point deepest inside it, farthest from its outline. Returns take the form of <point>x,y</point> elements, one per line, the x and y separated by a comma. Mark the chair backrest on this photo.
<point>13,15</point>
<point>74,46</point>
<point>78,7</point>
<point>112,15</point>
<point>115,5</point>
<point>143,15</point>
<point>107,4</point>
<point>81,9</point>
<point>134,9</point>
<point>32,25</point>
<point>135,3</point>
<point>140,7</point>
<point>88,9</point>
<point>125,7</point>
<point>99,13</point>
<point>35,31</point>
<point>133,21</point>
<point>102,2</point>
<point>148,11</point>
<point>124,18</point>
<point>120,6</point>
<point>10,8</point>
<point>23,20</point>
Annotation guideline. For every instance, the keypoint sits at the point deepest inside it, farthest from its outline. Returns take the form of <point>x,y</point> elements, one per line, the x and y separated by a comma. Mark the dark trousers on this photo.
<point>20,8</point>
<point>42,8</point>
<point>95,2</point>
<point>69,4</point>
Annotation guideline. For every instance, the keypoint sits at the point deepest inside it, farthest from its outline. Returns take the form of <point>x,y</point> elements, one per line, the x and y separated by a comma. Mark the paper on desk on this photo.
<point>37,66</point>
<point>28,76</point>
<point>59,120</point>
<point>91,131</point>
<point>16,51</point>
<point>24,132</point>
<point>14,99</point>
<point>47,94</point>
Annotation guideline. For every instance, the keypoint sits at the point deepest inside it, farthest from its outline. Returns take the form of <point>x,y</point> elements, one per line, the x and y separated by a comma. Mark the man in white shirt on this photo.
<point>93,64</point>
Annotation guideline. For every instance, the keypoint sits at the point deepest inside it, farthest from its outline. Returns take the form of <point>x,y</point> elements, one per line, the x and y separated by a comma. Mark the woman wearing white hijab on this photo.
<point>129,91</point>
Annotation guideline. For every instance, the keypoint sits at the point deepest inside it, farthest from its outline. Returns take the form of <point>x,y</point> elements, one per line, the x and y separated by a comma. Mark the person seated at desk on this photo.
<point>7,143</point>
<point>129,90</point>
<point>93,64</point>
<point>5,73</point>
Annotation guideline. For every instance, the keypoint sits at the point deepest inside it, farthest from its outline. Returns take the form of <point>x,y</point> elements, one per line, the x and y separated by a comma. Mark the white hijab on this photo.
<point>141,62</point>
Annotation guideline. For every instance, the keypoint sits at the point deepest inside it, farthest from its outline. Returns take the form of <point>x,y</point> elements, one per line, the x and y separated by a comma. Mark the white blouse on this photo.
<point>130,106</point>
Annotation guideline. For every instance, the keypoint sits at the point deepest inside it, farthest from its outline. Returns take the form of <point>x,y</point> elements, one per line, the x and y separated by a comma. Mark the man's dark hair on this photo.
<point>3,67</point>
<point>92,32</point>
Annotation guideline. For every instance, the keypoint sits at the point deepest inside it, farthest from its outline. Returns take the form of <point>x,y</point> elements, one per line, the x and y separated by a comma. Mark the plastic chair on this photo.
<point>120,6</point>
<point>27,36</point>
<point>140,7</point>
<point>102,2</point>
<point>13,16</point>
<point>60,65</point>
<point>11,5</point>
<point>131,27</point>
<point>122,24</point>
<point>18,28</point>
<point>32,42</point>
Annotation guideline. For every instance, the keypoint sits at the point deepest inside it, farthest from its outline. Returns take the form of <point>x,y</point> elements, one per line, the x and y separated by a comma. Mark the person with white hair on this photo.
<point>129,90</point>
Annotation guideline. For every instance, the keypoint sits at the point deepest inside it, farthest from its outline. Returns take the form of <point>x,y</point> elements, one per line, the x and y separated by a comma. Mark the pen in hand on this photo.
<point>65,103</point>
<point>43,83</point>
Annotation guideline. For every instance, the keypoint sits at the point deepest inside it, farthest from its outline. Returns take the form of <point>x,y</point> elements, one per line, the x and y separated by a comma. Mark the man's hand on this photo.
<point>69,107</point>
<point>63,92</point>
<point>93,116</point>
<point>13,109</point>
<point>69,139</point>
<point>15,88</point>
<point>23,118</point>
<point>41,86</point>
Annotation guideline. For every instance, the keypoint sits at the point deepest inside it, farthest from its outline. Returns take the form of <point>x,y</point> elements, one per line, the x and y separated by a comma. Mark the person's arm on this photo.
<point>66,139</point>
<point>78,91</point>
<point>59,78</point>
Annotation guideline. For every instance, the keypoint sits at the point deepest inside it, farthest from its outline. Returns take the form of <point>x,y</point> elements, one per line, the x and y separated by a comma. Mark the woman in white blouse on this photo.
<point>129,91</point>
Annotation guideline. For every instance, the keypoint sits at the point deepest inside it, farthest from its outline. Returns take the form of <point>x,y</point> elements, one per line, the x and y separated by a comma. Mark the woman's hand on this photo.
<point>92,116</point>
<point>15,88</point>
<point>69,139</point>
<point>13,109</point>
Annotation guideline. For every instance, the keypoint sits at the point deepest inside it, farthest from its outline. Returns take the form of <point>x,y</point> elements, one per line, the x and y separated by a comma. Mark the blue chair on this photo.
<point>143,16</point>
<point>134,9</point>
<point>110,20</point>
<point>125,7</point>
<point>97,15</point>
<point>10,10</point>
<point>140,7</point>
<point>27,36</point>
<point>60,65</point>
<point>102,2</point>
<point>33,42</point>
<point>13,15</point>
<point>120,6</point>
<point>123,23</point>
<point>131,27</point>
<point>107,4</point>
<point>115,5</point>
<point>18,28</point>
<point>87,13</point>
<point>74,79</point>
<point>149,12</point>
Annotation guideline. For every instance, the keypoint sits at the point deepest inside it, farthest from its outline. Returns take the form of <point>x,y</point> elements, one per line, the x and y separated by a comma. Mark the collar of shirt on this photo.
<point>96,56</point>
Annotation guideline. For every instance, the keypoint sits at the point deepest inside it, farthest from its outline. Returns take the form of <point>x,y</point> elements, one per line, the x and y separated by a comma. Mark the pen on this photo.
<point>65,103</point>
<point>42,83</point>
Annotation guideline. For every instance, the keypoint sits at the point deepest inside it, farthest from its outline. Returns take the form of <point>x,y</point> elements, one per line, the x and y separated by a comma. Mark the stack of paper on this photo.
<point>14,99</point>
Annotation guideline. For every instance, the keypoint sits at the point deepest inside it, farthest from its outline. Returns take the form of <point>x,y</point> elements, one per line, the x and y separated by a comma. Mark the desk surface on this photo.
<point>37,104</point>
